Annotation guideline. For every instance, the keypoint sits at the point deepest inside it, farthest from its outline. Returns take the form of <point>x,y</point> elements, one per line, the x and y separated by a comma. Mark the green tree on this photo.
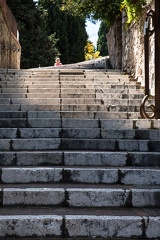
<point>102,46</point>
<point>102,9</point>
<point>37,47</point>
<point>107,10</point>
<point>69,30</point>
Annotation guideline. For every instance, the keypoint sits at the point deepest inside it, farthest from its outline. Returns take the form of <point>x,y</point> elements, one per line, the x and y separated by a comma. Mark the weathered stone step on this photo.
<point>100,115</point>
<point>67,81</point>
<point>54,223</point>
<point>78,158</point>
<point>72,95</point>
<point>97,175</point>
<point>97,77</point>
<point>79,144</point>
<point>71,86</point>
<point>30,122</point>
<point>76,133</point>
<point>52,70</point>
<point>14,114</point>
<point>80,197</point>
<point>85,115</point>
<point>73,101</point>
<point>29,114</point>
<point>30,95</point>
<point>67,78</point>
<point>70,108</point>
<point>106,124</point>
<point>70,91</point>
<point>71,74</point>
<point>9,110</point>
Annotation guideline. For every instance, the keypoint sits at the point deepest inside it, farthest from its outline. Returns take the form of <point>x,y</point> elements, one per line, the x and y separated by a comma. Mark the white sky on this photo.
<point>92,30</point>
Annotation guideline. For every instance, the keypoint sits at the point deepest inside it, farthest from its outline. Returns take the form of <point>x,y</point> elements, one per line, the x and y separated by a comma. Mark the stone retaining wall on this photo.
<point>126,47</point>
<point>10,49</point>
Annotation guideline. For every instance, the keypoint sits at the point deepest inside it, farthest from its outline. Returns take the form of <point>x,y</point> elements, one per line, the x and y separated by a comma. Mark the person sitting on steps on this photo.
<point>58,62</point>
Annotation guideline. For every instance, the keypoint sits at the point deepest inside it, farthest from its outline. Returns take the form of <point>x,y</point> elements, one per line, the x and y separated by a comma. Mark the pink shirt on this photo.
<point>57,64</point>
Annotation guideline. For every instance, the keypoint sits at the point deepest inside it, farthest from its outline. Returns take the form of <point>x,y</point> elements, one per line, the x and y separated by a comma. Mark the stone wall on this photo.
<point>10,49</point>
<point>130,39</point>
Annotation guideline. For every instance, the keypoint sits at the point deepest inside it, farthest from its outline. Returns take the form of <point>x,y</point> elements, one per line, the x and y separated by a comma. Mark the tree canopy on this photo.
<point>107,10</point>
<point>52,28</point>
<point>101,9</point>
<point>47,32</point>
<point>102,46</point>
<point>69,30</point>
<point>37,47</point>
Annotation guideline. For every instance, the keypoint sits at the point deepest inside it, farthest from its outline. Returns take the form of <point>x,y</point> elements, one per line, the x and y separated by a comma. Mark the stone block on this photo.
<point>104,226</point>
<point>39,132</point>
<point>133,145</point>
<point>117,124</point>
<point>39,158</point>
<point>91,197</point>
<point>140,176</point>
<point>31,175</point>
<point>95,158</point>
<point>146,197</point>
<point>92,175</point>
<point>153,227</point>
<point>33,196</point>
<point>36,144</point>
<point>30,226</point>
<point>5,144</point>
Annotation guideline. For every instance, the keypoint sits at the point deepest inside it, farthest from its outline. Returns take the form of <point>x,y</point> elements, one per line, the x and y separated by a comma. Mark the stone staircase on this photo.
<point>77,162</point>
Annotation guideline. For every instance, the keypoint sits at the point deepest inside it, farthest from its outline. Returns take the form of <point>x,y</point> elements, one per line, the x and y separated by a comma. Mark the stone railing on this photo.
<point>126,47</point>
<point>10,49</point>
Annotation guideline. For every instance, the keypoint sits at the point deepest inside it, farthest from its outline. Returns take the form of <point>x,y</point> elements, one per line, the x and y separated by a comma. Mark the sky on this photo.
<point>92,30</point>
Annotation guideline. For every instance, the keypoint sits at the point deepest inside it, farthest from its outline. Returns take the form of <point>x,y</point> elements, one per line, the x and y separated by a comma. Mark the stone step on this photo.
<point>98,78</point>
<point>71,74</point>
<point>76,133</point>
<point>40,120</point>
<point>79,158</point>
<point>87,175</point>
<point>100,115</point>
<point>64,176</point>
<point>79,197</point>
<point>70,91</point>
<point>84,115</point>
<point>69,81</point>
<point>29,114</point>
<point>64,78</point>
<point>85,83</point>
<point>79,144</point>
<point>110,108</point>
<point>64,223</point>
<point>52,69</point>
<point>73,101</point>
<point>71,86</point>
<point>16,111</point>
<point>60,95</point>
<point>30,122</point>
